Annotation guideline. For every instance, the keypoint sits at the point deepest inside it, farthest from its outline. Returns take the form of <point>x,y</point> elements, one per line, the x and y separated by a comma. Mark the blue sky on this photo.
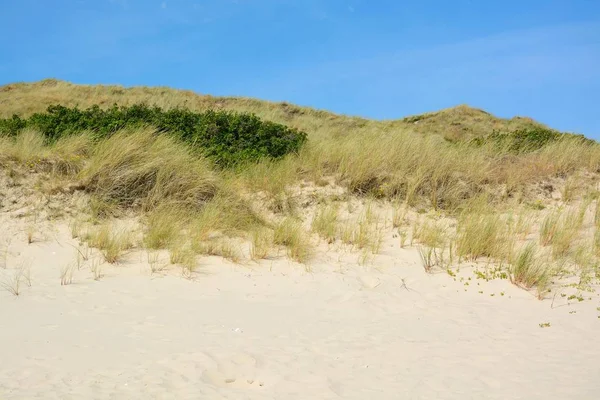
<point>380,58</point>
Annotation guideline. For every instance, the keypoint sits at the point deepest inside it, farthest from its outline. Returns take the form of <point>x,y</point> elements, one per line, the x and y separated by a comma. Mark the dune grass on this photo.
<point>290,233</point>
<point>423,162</point>
<point>112,242</point>
<point>261,242</point>
<point>529,271</point>
<point>325,222</point>
<point>482,234</point>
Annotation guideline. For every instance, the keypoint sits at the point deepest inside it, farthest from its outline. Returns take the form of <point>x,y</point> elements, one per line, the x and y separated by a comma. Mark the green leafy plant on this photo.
<point>226,137</point>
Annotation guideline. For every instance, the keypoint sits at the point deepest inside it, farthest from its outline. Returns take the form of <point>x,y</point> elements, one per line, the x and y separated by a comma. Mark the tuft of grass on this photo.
<point>482,235</point>
<point>184,256</point>
<point>289,233</point>
<point>430,234</point>
<point>221,248</point>
<point>96,269</point>
<point>549,228</point>
<point>112,244</point>
<point>365,232</point>
<point>154,262</point>
<point>66,274</point>
<point>141,167</point>
<point>429,258</point>
<point>12,282</point>
<point>163,228</point>
<point>261,241</point>
<point>325,223</point>
<point>398,215</point>
<point>528,271</point>
<point>562,232</point>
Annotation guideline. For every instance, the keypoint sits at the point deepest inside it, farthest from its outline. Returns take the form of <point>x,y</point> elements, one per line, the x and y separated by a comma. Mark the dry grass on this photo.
<point>289,233</point>
<point>221,248</point>
<point>12,281</point>
<point>142,168</point>
<point>154,262</point>
<point>112,243</point>
<point>549,228</point>
<point>431,234</point>
<point>183,195</point>
<point>529,271</point>
<point>66,274</point>
<point>183,255</point>
<point>163,228</point>
<point>481,234</point>
<point>325,223</point>
<point>261,242</point>
<point>96,269</point>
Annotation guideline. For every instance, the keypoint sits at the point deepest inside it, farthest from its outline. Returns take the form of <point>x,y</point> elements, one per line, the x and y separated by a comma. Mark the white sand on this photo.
<point>274,331</point>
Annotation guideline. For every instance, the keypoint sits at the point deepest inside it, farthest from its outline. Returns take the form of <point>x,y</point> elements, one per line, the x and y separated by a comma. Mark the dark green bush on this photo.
<point>226,137</point>
<point>520,141</point>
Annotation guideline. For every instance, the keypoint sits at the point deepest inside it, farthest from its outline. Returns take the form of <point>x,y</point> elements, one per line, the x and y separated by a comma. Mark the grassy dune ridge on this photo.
<point>441,181</point>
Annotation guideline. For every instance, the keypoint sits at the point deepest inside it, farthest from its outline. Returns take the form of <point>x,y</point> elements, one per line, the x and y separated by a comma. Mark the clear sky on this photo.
<point>382,59</point>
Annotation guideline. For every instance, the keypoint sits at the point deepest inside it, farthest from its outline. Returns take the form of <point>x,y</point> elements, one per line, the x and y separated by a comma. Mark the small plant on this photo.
<point>429,258</point>
<point>153,262</point>
<point>403,235</point>
<point>12,284</point>
<point>545,325</point>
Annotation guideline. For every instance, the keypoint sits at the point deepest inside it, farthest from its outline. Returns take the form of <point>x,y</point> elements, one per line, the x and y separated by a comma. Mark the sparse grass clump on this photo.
<point>528,271</point>
<point>111,243</point>
<point>289,233</point>
<point>431,234</point>
<point>261,242</point>
<point>163,228</point>
<point>482,235</point>
<point>183,255</point>
<point>549,228</point>
<point>219,247</point>
<point>325,223</point>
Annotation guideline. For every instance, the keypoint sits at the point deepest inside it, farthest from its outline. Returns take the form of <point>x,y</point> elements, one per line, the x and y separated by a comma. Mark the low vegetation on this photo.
<point>224,136</point>
<point>221,176</point>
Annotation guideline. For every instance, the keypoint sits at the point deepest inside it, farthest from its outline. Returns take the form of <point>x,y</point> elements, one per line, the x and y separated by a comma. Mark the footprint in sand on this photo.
<point>237,372</point>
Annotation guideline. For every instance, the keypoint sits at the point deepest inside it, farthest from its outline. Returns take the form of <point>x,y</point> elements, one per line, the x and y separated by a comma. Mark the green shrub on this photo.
<point>226,137</point>
<point>522,140</point>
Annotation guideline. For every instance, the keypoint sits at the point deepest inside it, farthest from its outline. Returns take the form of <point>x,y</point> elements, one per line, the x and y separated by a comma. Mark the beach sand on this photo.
<point>276,330</point>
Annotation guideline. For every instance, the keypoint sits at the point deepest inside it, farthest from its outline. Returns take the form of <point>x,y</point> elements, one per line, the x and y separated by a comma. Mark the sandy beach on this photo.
<point>273,330</point>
